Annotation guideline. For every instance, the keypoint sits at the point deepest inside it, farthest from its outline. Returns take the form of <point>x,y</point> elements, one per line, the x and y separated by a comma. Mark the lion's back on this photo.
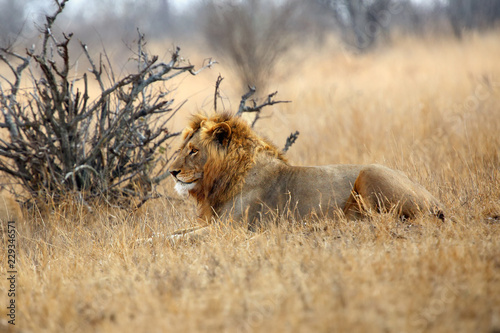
<point>300,190</point>
<point>321,189</point>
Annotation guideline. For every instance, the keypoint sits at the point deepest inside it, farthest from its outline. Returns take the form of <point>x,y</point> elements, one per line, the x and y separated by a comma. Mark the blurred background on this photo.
<point>250,36</point>
<point>362,23</point>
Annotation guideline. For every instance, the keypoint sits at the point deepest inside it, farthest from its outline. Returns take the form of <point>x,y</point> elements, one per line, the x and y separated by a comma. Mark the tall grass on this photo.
<point>431,109</point>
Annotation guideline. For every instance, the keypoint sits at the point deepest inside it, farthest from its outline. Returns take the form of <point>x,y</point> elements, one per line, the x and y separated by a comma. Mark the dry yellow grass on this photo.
<point>431,109</point>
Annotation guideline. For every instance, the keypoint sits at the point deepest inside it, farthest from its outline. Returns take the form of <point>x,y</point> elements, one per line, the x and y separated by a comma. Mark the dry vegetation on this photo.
<point>428,108</point>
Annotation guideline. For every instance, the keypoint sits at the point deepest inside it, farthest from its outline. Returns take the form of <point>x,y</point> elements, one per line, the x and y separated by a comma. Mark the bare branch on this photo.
<point>210,63</point>
<point>16,71</point>
<point>47,32</point>
<point>93,70</point>
<point>256,107</point>
<point>290,141</point>
<point>244,98</point>
<point>217,92</point>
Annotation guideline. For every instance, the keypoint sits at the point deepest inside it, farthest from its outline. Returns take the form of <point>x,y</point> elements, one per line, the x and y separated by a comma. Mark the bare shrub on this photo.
<point>469,15</point>
<point>57,141</point>
<point>250,35</point>
<point>361,23</point>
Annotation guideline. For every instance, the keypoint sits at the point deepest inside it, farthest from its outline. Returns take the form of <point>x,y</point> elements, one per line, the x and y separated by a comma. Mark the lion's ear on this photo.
<point>221,133</point>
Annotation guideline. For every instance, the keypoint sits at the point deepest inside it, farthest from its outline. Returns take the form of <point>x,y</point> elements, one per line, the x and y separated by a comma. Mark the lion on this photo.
<point>235,174</point>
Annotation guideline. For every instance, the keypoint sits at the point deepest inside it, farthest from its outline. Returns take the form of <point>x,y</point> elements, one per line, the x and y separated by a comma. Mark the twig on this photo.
<point>290,141</point>
<point>241,109</point>
<point>97,73</point>
<point>217,91</point>
<point>47,33</point>
<point>209,64</point>
<point>256,107</point>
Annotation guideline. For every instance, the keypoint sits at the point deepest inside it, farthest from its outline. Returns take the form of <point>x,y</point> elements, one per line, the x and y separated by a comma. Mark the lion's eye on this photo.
<point>193,151</point>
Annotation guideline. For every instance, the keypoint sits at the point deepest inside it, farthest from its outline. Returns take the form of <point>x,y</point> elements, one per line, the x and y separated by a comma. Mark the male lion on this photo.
<point>235,174</point>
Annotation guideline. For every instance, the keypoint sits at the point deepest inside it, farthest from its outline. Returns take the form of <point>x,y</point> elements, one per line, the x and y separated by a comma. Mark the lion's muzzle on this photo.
<point>182,184</point>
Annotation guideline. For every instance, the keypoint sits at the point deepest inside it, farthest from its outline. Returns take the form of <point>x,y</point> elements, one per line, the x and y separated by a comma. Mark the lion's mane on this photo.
<point>226,166</point>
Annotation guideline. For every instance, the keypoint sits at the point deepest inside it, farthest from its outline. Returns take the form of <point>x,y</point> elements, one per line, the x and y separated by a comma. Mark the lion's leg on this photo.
<point>355,206</point>
<point>189,234</point>
<point>187,230</point>
<point>381,189</point>
<point>362,201</point>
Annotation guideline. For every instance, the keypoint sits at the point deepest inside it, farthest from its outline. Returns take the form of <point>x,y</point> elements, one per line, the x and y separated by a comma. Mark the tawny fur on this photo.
<point>235,174</point>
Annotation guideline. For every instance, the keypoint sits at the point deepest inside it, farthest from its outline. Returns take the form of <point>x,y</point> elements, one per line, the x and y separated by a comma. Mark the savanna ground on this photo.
<point>430,108</point>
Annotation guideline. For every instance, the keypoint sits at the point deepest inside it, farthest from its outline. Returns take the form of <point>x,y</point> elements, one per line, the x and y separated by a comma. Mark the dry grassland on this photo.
<point>430,108</point>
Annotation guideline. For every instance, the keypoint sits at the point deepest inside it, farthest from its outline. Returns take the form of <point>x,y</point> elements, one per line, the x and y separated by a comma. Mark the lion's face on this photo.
<point>187,168</point>
<point>203,140</point>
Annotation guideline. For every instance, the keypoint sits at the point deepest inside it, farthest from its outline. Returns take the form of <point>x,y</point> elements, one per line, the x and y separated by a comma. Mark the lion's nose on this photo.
<point>174,172</point>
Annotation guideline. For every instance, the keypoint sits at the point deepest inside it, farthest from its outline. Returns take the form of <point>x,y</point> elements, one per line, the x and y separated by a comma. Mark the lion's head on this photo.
<point>214,157</point>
